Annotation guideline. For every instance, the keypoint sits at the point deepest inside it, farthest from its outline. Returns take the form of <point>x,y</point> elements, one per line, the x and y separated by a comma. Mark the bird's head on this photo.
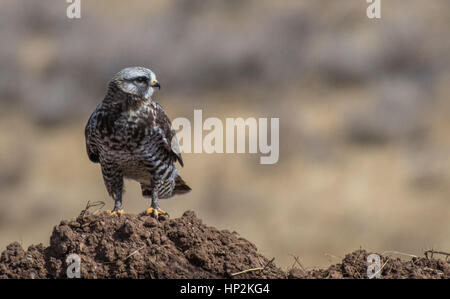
<point>137,81</point>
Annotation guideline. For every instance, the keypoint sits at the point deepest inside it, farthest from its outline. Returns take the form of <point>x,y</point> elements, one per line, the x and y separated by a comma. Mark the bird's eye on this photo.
<point>141,79</point>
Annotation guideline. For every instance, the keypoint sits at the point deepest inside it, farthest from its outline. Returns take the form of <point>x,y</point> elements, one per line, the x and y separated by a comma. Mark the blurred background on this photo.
<point>363,106</point>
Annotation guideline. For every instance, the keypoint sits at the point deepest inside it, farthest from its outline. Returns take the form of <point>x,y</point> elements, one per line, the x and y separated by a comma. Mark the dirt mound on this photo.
<point>139,246</point>
<point>354,265</point>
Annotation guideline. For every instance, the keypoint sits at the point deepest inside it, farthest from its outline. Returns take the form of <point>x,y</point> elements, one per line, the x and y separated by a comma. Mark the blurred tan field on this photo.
<point>363,105</point>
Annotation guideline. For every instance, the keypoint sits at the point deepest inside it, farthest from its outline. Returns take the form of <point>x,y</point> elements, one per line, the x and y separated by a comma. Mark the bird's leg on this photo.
<point>118,204</point>
<point>114,184</point>
<point>118,210</point>
<point>154,209</point>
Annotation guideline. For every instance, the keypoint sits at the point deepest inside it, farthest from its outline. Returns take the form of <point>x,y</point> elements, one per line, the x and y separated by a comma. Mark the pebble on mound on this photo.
<point>138,246</point>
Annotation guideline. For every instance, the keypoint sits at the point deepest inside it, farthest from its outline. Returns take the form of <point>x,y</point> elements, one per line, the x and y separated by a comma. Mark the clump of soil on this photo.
<point>140,246</point>
<point>355,265</point>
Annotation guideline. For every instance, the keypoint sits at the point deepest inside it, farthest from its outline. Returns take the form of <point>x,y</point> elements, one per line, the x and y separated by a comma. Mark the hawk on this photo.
<point>131,137</point>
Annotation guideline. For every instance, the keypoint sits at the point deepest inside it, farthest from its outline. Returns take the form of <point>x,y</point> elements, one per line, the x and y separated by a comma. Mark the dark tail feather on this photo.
<point>180,186</point>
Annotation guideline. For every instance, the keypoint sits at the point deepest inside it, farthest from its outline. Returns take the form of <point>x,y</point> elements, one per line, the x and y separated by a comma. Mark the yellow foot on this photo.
<point>155,212</point>
<point>119,212</point>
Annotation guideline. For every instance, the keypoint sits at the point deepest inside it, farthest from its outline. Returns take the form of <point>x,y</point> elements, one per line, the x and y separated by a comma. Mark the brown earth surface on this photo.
<point>140,246</point>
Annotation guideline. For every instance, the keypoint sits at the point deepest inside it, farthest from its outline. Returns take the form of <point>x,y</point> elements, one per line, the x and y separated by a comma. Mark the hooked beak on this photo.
<point>155,83</point>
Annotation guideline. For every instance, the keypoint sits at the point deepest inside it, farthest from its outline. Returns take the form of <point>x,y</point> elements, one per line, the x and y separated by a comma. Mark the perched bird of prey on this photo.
<point>131,136</point>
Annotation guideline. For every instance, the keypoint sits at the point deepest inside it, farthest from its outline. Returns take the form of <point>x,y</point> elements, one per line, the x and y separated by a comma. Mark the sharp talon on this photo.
<point>155,212</point>
<point>150,211</point>
<point>118,212</point>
